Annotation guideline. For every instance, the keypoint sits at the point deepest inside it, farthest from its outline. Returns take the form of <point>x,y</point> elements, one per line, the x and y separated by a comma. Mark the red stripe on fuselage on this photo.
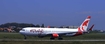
<point>79,32</point>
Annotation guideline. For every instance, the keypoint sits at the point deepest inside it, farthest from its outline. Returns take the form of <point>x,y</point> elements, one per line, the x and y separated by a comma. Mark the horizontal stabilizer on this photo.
<point>90,29</point>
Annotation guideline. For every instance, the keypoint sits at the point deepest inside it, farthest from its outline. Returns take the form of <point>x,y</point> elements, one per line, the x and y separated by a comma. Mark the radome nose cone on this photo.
<point>21,32</point>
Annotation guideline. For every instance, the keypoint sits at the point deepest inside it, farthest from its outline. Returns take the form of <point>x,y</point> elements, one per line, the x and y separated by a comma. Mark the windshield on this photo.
<point>23,30</point>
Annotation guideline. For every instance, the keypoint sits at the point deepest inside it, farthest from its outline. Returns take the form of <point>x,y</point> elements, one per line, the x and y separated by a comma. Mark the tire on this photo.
<point>60,38</point>
<point>52,38</point>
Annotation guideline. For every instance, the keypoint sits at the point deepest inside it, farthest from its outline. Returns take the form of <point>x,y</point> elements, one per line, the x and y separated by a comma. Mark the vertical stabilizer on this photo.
<point>84,25</point>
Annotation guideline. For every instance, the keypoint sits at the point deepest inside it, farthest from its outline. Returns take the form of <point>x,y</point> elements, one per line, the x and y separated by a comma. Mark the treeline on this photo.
<point>22,25</point>
<point>16,27</point>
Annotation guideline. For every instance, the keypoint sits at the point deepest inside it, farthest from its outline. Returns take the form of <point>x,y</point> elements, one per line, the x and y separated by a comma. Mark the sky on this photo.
<point>53,12</point>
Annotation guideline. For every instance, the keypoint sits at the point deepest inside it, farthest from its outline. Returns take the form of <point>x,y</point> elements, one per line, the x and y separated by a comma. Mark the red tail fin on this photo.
<point>84,25</point>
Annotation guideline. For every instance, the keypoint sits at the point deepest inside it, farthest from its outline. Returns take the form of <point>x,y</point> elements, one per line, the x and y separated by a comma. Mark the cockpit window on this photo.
<point>23,29</point>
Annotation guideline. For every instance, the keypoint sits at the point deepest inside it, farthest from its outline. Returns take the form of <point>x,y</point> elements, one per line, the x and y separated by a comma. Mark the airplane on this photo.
<point>56,32</point>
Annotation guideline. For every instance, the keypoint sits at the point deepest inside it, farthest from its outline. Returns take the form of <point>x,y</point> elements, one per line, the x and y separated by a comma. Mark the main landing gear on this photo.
<point>59,38</point>
<point>54,38</point>
<point>25,37</point>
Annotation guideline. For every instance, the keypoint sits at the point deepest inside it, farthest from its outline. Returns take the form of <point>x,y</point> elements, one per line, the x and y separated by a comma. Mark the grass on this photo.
<point>53,42</point>
<point>85,36</point>
<point>88,36</point>
<point>19,36</point>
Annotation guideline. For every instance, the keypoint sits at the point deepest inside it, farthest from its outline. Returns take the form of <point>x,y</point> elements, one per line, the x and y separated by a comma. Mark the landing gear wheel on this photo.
<point>60,38</point>
<point>25,37</point>
<point>52,38</point>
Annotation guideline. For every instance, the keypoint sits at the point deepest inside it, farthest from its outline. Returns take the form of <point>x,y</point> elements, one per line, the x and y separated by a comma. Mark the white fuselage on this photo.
<point>46,31</point>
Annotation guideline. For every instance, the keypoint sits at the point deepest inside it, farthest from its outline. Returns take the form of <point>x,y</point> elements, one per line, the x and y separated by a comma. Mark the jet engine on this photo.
<point>55,35</point>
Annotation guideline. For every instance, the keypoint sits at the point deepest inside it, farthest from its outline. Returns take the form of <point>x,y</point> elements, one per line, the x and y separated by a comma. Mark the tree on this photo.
<point>16,26</point>
<point>42,25</point>
<point>37,25</point>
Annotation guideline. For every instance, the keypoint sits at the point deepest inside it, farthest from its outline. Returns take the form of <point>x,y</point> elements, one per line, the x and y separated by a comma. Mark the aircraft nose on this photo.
<point>21,32</point>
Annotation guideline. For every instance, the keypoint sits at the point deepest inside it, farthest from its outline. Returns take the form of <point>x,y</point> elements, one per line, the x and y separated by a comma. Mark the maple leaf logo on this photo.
<point>85,23</point>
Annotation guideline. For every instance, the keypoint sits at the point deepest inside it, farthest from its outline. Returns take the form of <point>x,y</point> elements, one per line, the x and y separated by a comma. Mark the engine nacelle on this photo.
<point>55,35</point>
